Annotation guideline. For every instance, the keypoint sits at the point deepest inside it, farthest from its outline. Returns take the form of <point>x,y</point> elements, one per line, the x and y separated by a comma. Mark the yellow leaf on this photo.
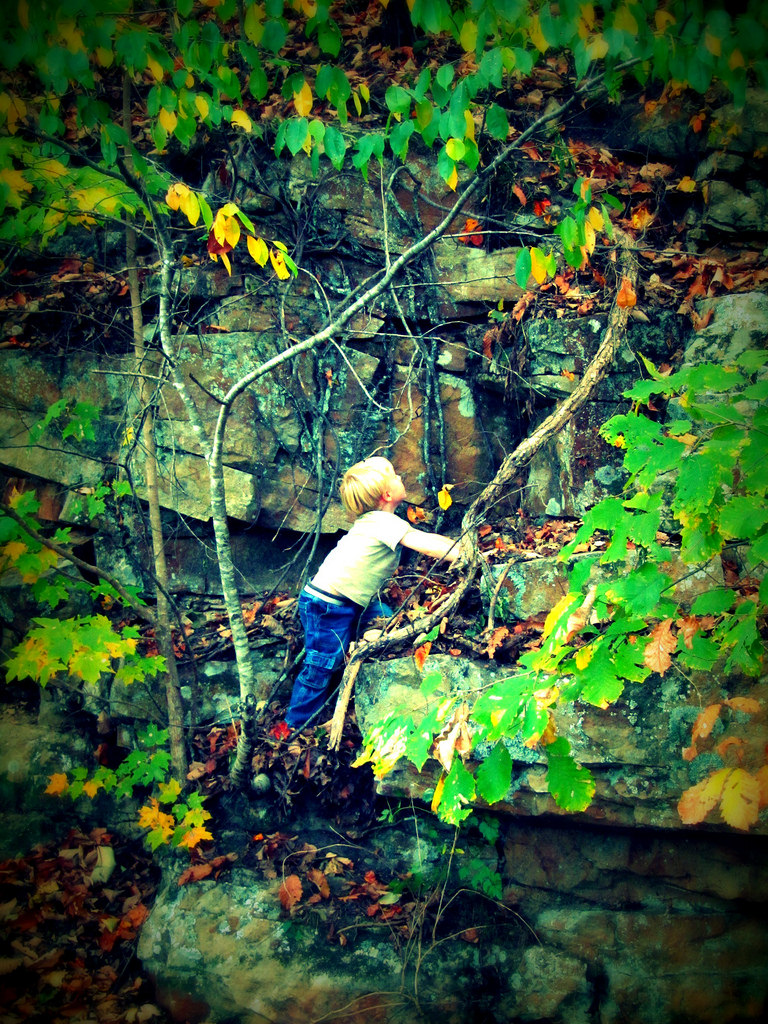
<point>203,107</point>
<point>257,247</point>
<point>591,237</point>
<point>557,611</point>
<point>438,794</point>
<point>626,21</point>
<point>740,802</point>
<point>241,120</point>
<point>663,20</point>
<point>168,120</point>
<point>736,60</point>
<point>444,499</point>
<point>176,194</point>
<point>225,261</point>
<point>104,57</point>
<point>586,19</point>
<point>468,35</point>
<point>686,184</point>
<point>17,184</point>
<point>91,787</point>
<point>597,47</point>
<point>364,91</point>
<point>194,837</point>
<point>595,218</point>
<point>359,106</point>
<point>277,260</point>
<point>584,656</point>
<point>190,206</point>
<point>23,12</point>
<point>696,803</point>
<point>713,44</point>
<point>538,266</point>
<point>57,784</point>
<point>469,122</point>
<point>169,790</point>
<point>14,108</point>
<point>536,35</point>
<point>14,549</point>
<point>156,69</point>
<point>189,81</point>
<point>71,36</point>
<point>231,231</point>
<point>229,210</point>
<point>253,23</point>
<point>453,180</point>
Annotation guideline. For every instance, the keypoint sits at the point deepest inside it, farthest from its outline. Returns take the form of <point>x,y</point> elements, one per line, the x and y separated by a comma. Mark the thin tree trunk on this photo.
<point>163,628</point>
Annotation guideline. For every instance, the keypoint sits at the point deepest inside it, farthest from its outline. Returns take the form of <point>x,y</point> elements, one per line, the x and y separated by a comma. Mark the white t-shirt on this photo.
<point>364,557</point>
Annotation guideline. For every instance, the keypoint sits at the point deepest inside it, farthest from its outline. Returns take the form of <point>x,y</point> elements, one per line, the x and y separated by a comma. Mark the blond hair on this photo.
<point>364,484</point>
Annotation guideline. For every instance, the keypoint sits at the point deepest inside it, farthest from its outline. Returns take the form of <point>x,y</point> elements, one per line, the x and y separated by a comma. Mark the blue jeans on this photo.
<point>328,628</point>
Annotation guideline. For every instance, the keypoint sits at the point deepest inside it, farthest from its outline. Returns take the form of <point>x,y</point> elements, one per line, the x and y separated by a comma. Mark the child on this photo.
<point>343,592</point>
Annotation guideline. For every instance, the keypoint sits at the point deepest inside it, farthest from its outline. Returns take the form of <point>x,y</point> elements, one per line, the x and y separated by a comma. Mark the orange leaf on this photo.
<point>57,784</point>
<point>626,297</point>
<point>696,803</point>
<point>497,638</point>
<point>488,339</point>
<point>416,514</point>
<point>318,878</point>
<point>421,653</point>
<point>689,753</point>
<point>762,778</point>
<point>661,645</point>
<point>520,194</point>
<point>748,705</point>
<point>290,891</point>
<point>194,873</point>
<point>470,234</point>
<point>704,723</point>
<point>726,744</point>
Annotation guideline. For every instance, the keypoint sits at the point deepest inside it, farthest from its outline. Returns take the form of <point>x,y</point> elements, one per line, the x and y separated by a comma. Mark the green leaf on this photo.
<point>494,776</point>
<point>398,101</point>
<point>496,122</point>
<point>335,146</point>
<point>523,267</point>
<point>296,134</point>
<point>571,784</point>
<point>458,791</point>
<point>714,602</point>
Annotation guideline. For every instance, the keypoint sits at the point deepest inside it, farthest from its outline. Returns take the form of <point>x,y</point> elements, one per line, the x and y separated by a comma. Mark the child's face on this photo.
<point>395,488</point>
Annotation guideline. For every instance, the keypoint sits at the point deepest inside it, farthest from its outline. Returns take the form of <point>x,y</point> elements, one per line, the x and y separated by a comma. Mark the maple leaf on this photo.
<point>281,731</point>
<point>415,514</point>
<point>194,836</point>
<point>662,643</point>
<point>57,784</point>
<point>291,891</point>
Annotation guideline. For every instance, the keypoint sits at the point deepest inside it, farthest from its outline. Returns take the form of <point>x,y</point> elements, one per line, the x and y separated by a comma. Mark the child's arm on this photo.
<point>433,544</point>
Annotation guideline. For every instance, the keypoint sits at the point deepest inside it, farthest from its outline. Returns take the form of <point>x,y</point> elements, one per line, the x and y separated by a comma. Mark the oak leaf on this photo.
<point>662,643</point>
